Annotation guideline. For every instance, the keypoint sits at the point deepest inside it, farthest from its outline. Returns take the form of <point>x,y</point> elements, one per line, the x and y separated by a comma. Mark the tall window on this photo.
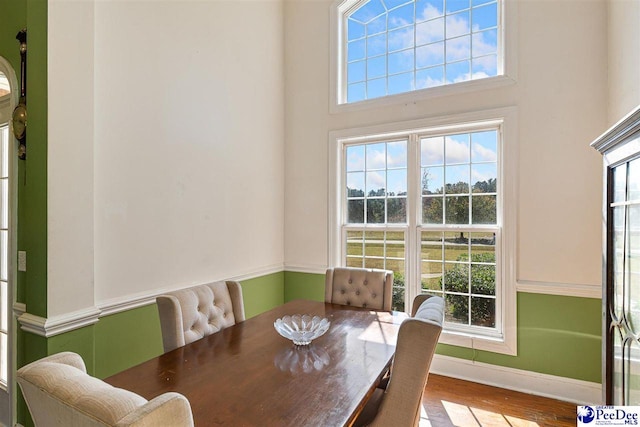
<point>428,203</point>
<point>397,46</point>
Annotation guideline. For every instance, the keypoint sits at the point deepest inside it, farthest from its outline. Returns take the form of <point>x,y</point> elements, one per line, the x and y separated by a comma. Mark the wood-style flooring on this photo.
<point>452,402</point>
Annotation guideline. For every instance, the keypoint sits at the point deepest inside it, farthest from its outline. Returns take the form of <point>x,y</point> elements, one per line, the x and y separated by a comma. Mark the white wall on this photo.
<point>70,280</point>
<point>624,57</point>
<point>187,166</point>
<point>560,93</point>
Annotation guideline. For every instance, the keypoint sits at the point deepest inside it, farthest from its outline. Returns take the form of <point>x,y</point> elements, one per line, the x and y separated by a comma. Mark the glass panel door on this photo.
<point>623,285</point>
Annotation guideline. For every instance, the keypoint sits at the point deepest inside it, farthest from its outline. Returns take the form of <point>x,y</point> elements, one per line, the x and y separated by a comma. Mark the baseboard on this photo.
<point>561,388</point>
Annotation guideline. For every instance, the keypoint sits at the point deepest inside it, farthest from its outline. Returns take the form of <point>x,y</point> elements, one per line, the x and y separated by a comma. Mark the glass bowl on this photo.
<point>301,328</point>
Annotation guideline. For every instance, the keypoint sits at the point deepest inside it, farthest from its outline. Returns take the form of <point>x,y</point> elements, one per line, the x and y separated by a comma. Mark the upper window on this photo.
<point>398,46</point>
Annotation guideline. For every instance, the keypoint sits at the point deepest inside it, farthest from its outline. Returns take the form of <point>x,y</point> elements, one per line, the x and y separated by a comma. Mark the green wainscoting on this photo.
<point>263,293</point>
<point>303,286</point>
<point>557,335</point>
<point>126,339</point>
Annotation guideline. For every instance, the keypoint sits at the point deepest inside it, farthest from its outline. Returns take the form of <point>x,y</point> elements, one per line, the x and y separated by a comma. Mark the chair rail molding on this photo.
<point>51,326</point>
<point>561,289</point>
<point>129,302</point>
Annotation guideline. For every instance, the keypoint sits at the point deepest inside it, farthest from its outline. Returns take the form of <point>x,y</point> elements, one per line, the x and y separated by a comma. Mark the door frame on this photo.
<point>12,188</point>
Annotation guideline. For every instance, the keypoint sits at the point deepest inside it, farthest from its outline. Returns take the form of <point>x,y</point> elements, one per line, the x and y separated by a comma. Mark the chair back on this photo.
<point>190,314</point>
<point>417,339</point>
<point>359,287</point>
<point>59,392</point>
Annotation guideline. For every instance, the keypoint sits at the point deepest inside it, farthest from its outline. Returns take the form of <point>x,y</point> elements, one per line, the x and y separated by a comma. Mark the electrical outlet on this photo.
<point>22,261</point>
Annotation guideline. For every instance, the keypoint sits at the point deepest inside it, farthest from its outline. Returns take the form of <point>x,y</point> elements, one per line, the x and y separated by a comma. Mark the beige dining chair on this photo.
<point>59,392</point>
<point>359,287</point>
<point>399,405</point>
<point>190,314</point>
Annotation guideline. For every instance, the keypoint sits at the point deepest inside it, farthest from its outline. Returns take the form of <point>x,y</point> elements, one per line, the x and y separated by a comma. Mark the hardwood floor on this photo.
<point>451,402</point>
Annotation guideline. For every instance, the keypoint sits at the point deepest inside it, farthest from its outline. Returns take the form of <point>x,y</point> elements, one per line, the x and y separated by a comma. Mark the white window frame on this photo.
<point>507,69</point>
<point>505,341</point>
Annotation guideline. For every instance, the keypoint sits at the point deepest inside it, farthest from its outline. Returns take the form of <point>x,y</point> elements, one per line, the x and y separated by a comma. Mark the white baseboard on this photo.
<point>566,389</point>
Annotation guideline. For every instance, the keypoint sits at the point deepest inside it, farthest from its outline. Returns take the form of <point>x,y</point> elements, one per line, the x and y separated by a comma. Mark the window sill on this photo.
<point>423,94</point>
<point>477,342</point>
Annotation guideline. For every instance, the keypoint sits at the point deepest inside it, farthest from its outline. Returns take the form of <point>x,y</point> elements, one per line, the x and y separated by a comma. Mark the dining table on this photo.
<point>249,375</point>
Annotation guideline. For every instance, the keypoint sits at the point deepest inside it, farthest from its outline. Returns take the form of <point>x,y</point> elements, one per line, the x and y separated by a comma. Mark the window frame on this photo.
<point>505,340</point>
<point>507,37</point>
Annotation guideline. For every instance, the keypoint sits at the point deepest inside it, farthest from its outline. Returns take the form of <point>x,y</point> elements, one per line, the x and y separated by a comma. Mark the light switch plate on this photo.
<point>22,261</point>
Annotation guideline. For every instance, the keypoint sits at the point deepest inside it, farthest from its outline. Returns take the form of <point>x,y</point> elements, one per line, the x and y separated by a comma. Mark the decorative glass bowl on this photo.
<point>301,328</point>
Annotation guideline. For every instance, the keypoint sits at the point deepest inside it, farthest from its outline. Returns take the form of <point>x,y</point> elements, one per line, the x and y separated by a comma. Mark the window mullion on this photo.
<point>414,204</point>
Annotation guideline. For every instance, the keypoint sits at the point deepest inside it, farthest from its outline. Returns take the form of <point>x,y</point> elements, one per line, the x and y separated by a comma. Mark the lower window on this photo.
<point>428,204</point>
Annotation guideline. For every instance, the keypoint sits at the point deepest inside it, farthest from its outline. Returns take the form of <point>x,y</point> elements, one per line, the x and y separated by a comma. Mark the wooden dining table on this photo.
<point>248,375</point>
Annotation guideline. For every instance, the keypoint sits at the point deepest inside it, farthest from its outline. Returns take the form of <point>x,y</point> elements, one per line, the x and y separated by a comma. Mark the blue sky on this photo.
<point>396,46</point>
<point>467,157</point>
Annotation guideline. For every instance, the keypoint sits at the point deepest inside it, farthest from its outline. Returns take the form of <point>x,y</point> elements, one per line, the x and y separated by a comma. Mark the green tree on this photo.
<point>483,282</point>
<point>397,299</point>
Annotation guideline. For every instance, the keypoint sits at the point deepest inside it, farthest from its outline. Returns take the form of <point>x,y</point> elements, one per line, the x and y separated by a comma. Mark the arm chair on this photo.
<point>190,314</point>
<point>399,405</point>
<point>359,287</point>
<point>59,392</point>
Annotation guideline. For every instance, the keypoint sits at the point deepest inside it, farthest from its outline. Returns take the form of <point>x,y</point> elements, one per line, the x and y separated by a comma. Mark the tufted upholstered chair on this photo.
<point>193,313</point>
<point>359,287</point>
<point>59,393</point>
<point>399,405</point>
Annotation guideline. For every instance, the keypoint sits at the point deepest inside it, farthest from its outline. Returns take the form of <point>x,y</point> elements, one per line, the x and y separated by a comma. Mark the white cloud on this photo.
<point>457,151</point>
<point>458,48</point>
<point>430,31</point>
<point>355,160</point>
<point>375,157</point>
<point>375,181</point>
<point>477,175</point>
<point>428,12</point>
<point>457,25</point>
<point>432,151</point>
<point>397,154</point>
<point>483,154</point>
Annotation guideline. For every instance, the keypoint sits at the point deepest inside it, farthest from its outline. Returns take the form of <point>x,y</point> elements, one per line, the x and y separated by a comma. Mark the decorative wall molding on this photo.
<point>567,389</point>
<point>19,309</point>
<point>624,128</point>
<point>561,289</point>
<point>306,268</point>
<point>48,327</point>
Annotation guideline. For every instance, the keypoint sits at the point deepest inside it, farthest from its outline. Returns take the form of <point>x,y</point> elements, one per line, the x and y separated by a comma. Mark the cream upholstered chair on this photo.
<point>359,287</point>
<point>193,313</point>
<point>399,405</point>
<point>59,392</point>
